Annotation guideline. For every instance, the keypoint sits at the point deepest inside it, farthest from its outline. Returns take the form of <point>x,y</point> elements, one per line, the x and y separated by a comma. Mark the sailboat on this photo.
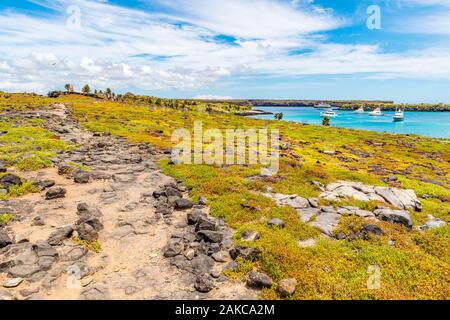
<point>360,110</point>
<point>376,113</point>
<point>399,115</point>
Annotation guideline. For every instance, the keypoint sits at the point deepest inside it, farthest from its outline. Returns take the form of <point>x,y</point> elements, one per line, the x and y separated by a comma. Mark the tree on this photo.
<point>108,93</point>
<point>326,121</point>
<point>68,87</point>
<point>86,89</point>
<point>278,116</point>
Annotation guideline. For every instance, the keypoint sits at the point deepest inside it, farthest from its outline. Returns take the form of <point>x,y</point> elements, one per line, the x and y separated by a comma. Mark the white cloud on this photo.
<point>212,97</point>
<point>45,58</point>
<point>24,63</point>
<point>259,19</point>
<point>423,17</point>
<point>4,66</point>
<point>127,49</point>
<point>90,66</point>
<point>428,2</point>
<point>437,23</point>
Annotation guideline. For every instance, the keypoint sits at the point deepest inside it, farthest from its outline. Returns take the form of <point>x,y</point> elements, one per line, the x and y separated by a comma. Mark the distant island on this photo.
<point>341,104</point>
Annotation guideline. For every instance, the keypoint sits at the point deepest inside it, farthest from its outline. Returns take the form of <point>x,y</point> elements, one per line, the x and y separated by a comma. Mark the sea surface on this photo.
<point>431,124</point>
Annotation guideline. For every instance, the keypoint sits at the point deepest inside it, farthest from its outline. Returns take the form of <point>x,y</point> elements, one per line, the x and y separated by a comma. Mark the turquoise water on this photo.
<point>432,124</point>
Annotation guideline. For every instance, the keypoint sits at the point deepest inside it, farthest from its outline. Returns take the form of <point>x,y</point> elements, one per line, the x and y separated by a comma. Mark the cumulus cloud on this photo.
<point>187,45</point>
<point>90,66</point>
<point>45,58</point>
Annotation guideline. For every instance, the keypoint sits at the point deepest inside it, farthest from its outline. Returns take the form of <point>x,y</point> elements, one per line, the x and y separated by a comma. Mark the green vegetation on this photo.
<point>26,145</point>
<point>415,267</point>
<point>184,105</point>
<point>86,89</point>
<point>80,166</point>
<point>278,116</point>
<point>93,246</point>
<point>68,87</point>
<point>22,101</point>
<point>18,191</point>
<point>6,218</point>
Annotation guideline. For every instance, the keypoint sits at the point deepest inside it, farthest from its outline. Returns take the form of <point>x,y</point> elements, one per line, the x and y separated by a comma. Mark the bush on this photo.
<point>86,89</point>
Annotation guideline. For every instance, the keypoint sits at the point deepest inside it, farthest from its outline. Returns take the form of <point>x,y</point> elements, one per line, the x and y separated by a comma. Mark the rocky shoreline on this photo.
<point>254,112</point>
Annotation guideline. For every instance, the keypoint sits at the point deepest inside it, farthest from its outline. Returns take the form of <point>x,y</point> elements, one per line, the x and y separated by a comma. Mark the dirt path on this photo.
<point>135,225</point>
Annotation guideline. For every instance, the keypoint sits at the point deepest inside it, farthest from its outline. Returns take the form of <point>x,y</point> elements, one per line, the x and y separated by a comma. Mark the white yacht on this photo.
<point>322,105</point>
<point>376,113</point>
<point>360,110</point>
<point>329,114</point>
<point>399,115</point>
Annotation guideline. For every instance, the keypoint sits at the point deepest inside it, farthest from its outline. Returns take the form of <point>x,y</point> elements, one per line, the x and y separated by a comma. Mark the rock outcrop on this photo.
<point>432,223</point>
<point>400,198</point>
<point>326,218</point>
<point>258,280</point>
<point>9,180</point>
<point>201,247</point>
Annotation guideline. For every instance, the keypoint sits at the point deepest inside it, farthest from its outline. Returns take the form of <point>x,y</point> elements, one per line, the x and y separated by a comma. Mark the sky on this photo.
<point>279,49</point>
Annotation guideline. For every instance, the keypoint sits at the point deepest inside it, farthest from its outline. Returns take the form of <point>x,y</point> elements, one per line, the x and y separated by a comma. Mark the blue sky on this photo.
<point>298,49</point>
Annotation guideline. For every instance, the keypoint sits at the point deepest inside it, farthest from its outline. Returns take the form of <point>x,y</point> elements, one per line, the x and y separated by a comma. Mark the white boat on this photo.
<point>399,115</point>
<point>360,110</point>
<point>376,113</point>
<point>329,114</point>
<point>322,106</point>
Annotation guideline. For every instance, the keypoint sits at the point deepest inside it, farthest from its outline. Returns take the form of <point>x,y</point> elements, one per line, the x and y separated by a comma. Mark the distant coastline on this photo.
<point>254,112</point>
<point>342,104</point>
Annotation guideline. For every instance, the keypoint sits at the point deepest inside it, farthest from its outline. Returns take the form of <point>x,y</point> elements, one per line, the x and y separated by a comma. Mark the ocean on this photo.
<point>431,124</point>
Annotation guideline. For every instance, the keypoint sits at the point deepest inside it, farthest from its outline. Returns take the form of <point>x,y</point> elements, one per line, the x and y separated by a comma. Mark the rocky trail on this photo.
<point>155,243</point>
